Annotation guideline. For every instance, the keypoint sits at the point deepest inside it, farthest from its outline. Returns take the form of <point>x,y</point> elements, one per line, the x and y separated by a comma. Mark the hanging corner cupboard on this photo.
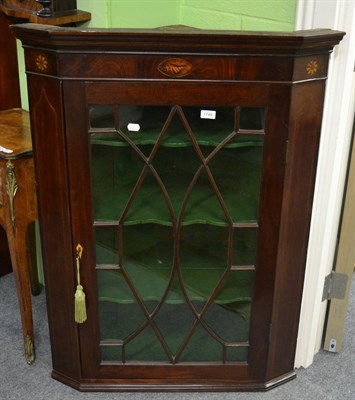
<point>175,173</point>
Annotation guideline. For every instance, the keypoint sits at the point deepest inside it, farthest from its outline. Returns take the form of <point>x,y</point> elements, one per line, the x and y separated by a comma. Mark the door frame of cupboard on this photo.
<point>133,92</point>
<point>302,62</point>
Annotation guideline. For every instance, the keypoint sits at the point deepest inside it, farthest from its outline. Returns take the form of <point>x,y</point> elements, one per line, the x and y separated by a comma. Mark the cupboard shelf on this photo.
<point>141,274</point>
<point>156,260</point>
<point>112,139</point>
<point>244,130</point>
<point>237,180</point>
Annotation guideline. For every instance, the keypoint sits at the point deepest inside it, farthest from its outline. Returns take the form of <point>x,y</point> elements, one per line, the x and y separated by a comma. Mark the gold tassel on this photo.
<point>80,305</point>
<point>80,315</point>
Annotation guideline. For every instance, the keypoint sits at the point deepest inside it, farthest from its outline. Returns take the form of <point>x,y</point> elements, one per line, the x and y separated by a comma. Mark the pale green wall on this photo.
<point>98,9</point>
<point>22,76</point>
<point>278,15</point>
<point>131,13</point>
<point>256,15</point>
<point>143,13</point>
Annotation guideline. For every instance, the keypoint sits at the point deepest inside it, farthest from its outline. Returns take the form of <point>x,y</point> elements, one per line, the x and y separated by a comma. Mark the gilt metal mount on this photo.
<point>11,189</point>
<point>29,350</point>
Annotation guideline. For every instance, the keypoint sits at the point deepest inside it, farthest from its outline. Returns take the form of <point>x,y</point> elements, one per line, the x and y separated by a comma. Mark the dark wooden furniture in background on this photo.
<point>179,195</point>
<point>55,12</point>
<point>18,211</point>
<point>9,81</point>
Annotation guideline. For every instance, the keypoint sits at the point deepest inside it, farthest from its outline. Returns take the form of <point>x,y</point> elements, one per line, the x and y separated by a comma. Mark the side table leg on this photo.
<point>5,262</point>
<point>36,287</point>
<point>17,239</point>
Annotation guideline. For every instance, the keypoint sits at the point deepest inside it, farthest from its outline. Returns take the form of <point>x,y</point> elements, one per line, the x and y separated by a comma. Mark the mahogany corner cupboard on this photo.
<point>175,172</point>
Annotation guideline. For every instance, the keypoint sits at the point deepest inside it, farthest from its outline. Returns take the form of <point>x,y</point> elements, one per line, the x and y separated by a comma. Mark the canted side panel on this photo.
<point>270,219</point>
<point>304,132</point>
<point>53,204</point>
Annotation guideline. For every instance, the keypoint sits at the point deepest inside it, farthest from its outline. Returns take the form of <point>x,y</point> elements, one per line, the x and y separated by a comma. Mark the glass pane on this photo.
<point>244,246</point>
<point>203,260</point>
<point>238,287</point>
<point>102,116</point>
<point>252,118</point>
<point>116,303</point>
<point>230,321</point>
<point>142,125</point>
<point>106,239</point>
<point>148,258</point>
<point>229,315</point>
<point>148,203</point>
<point>169,186</point>
<point>176,168</point>
<point>210,125</point>
<point>112,181</point>
<point>237,172</point>
<point>203,205</point>
<point>174,319</point>
<point>236,353</point>
<point>115,322</point>
<point>202,347</point>
<point>145,347</point>
<point>111,353</point>
<point>176,132</point>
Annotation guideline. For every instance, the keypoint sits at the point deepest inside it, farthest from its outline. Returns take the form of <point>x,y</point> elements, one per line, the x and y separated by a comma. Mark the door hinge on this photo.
<point>335,286</point>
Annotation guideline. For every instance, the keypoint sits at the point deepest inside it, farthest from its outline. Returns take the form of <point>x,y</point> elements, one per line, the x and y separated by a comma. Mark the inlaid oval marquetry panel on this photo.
<point>175,67</point>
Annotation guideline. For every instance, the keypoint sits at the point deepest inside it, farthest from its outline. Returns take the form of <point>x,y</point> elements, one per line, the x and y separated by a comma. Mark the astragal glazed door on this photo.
<point>170,220</point>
